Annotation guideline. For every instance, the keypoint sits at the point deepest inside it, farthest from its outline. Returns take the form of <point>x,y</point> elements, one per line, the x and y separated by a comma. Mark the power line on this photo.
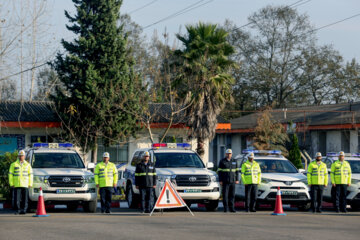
<point>26,70</point>
<point>331,24</point>
<point>144,6</point>
<point>182,11</point>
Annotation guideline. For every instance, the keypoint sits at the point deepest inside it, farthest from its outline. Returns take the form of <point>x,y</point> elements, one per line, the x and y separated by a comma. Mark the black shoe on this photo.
<point>313,210</point>
<point>108,212</point>
<point>252,210</point>
<point>147,211</point>
<point>337,210</point>
<point>22,213</point>
<point>233,210</point>
<point>16,213</point>
<point>225,210</point>
<point>344,211</point>
<point>319,211</point>
<point>247,210</point>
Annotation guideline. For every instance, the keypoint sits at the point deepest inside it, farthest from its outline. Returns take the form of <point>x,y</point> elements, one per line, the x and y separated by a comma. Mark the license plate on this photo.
<point>289,193</point>
<point>192,190</point>
<point>65,191</point>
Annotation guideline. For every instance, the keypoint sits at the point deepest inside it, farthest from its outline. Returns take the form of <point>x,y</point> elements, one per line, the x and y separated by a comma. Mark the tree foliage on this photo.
<point>99,83</point>
<point>203,78</point>
<point>269,134</point>
<point>294,153</point>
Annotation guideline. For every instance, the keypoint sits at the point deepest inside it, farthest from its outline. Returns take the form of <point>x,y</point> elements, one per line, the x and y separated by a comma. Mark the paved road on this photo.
<point>130,224</point>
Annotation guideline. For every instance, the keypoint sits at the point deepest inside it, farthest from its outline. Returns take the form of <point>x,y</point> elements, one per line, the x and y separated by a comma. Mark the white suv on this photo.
<point>353,192</point>
<point>277,171</point>
<point>183,167</point>
<point>61,173</point>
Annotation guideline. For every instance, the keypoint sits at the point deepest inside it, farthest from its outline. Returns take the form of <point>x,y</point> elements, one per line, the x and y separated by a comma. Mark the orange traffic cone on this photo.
<point>278,205</point>
<point>40,212</point>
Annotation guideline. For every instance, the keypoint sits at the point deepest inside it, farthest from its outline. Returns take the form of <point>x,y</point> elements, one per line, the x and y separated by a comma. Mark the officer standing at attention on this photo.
<point>20,180</point>
<point>228,176</point>
<point>340,179</point>
<point>317,176</point>
<point>251,178</point>
<point>106,177</point>
<point>145,181</point>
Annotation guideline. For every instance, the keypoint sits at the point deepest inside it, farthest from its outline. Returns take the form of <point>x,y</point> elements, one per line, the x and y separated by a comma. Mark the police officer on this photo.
<point>145,181</point>
<point>340,179</point>
<point>20,180</point>
<point>317,176</point>
<point>228,176</point>
<point>106,177</point>
<point>251,178</point>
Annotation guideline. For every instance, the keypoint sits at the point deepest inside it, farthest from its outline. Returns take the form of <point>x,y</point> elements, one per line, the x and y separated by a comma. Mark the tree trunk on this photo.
<point>94,153</point>
<point>200,147</point>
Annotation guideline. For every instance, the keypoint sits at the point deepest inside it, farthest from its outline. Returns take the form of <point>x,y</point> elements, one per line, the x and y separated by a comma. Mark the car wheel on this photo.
<point>90,206</point>
<point>355,206</point>
<point>131,198</point>
<point>212,205</point>
<point>304,207</point>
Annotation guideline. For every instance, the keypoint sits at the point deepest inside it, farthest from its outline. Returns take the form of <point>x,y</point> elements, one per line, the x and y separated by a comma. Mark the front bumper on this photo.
<point>86,193</point>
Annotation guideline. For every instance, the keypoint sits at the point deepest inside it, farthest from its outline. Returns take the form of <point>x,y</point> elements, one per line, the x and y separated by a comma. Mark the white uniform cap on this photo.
<point>318,154</point>
<point>251,155</point>
<point>341,153</point>
<point>106,154</point>
<point>228,151</point>
<point>146,154</point>
<point>21,153</point>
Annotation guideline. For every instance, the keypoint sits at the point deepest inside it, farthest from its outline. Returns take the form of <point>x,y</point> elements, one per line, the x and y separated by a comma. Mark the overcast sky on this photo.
<point>344,36</point>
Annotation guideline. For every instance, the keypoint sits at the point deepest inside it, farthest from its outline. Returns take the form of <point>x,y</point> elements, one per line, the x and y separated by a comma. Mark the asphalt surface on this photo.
<point>126,223</point>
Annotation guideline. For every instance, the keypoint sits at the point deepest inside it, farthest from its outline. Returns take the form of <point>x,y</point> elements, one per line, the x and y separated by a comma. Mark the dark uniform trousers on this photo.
<point>316,192</point>
<point>21,198</point>
<point>105,198</point>
<point>340,197</point>
<point>146,194</point>
<point>228,193</point>
<point>251,194</point>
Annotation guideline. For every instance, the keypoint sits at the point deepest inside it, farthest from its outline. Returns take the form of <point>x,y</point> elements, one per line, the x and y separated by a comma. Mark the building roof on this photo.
<point>11,111</point>
<point>332,114</point>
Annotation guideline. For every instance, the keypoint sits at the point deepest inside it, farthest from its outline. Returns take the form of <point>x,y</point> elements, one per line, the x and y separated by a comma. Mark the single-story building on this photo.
<point>325,128</point>
<point>24,123</point>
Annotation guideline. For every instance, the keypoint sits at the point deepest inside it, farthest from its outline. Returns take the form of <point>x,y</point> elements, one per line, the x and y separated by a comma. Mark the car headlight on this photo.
<point>355,181</point>
<point>214,178</point>
<point>304,181</point>
<point>89,179</point>
<point>162,178</point>
<point>39,179</point>
<point>265,180</point>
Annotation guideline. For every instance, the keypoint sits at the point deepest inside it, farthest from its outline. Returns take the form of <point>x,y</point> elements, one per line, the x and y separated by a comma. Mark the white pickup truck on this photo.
<point>183,167</point>
<point>61,173</point>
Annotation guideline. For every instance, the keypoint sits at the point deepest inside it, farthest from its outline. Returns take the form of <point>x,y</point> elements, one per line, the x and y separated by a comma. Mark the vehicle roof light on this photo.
<point>183,145</point>
<point>159,145</point>
<point>332,154</point>
<point>53,145</point>
<point>171,145</point>
<point>355,155</point>
<point>270,152</point>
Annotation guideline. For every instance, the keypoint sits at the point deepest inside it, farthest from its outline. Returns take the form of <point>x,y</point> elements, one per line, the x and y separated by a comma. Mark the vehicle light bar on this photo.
<point>355,155</point>
<point>332,154</point>
<point>171,145</point>
<point>272,152</point>
<point>53,145</point>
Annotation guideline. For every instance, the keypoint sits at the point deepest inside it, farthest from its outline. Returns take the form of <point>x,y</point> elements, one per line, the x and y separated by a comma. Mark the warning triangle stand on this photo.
<point>169,198</point>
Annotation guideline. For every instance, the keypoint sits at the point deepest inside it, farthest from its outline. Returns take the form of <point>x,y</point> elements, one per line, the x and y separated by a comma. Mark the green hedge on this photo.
<point>5,162</point>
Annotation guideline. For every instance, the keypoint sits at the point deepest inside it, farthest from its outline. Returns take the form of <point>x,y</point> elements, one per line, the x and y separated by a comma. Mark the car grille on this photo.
<point>192,180</point>
<point>299,196</point>
<point>70,181</point>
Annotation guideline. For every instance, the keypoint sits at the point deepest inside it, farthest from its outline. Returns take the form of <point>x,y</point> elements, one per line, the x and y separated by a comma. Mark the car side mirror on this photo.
<point>91,165</point>
<point>302,170</point>
<point>210,165</point>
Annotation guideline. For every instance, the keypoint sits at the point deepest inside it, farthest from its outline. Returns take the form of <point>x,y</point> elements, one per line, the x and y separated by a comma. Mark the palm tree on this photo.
<point>204,80</point>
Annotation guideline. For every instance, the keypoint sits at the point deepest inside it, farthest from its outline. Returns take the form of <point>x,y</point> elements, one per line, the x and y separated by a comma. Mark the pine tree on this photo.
<point>99,84</point>
<point>294,153</point>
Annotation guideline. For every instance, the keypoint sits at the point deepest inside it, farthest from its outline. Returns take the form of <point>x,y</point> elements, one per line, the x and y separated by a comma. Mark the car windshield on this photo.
<point>355,166</point>
<point>178,160</point>
<point>57,160</point>
<point>276,166</point>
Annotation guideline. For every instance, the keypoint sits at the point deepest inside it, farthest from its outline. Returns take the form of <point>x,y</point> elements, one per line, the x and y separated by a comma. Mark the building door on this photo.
<point>322,143</point>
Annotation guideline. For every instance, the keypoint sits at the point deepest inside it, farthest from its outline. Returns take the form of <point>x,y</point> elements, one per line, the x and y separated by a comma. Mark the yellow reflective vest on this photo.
<point>340,172</point>
<point>317,174</point>
<point>250,173</point>
<point>20,175</point>
<point>106,175</point>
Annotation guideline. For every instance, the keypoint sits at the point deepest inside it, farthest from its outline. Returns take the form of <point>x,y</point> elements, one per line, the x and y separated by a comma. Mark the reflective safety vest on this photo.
<point>250,173</point>
<point>341,172</point>
<point>317,174</point>
<point>20,175</point>
<point>106,175</point>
